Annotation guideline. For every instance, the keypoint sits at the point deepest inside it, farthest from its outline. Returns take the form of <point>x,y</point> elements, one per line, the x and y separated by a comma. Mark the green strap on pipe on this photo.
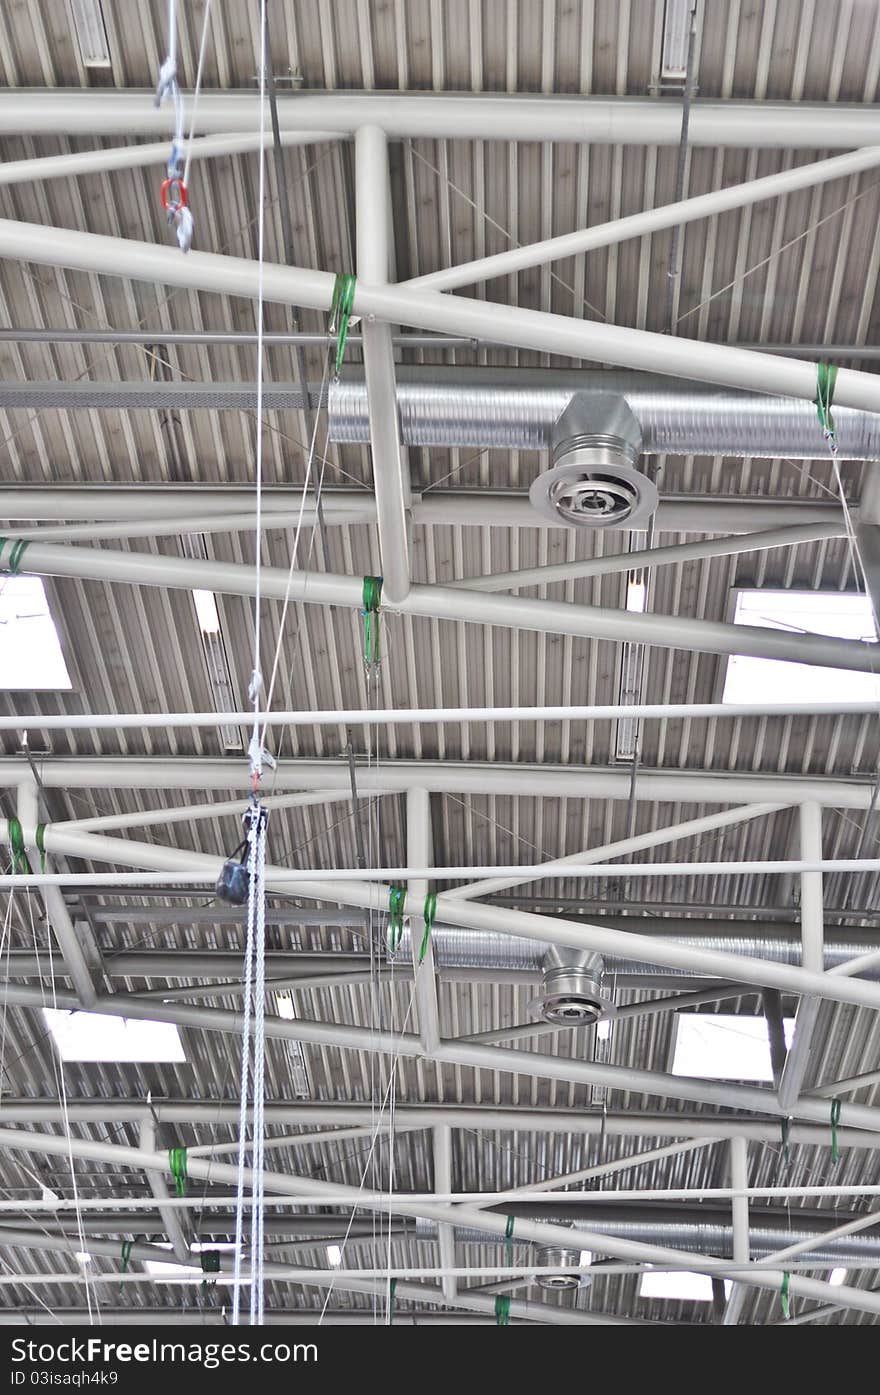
<point>16,842</point>
<point>177,1167</point>
<point>502,1310</point>
<point>41,835</point>
<point>826,377</point>
<point>396,902</point>
<point>372,599</point>
<point>835,1120</point>
<point>508,1240</point>
<point>430,912</point>
<point>17,551</point>
<point>125,1252</point>
<point>341,305</point>
<point>783,1296</point>
<point>392,1290</point>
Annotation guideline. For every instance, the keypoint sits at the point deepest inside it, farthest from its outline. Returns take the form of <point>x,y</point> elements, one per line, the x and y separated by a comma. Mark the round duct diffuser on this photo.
<point>600,492</point>
<point>566,1259</point>
<point>572,990</point>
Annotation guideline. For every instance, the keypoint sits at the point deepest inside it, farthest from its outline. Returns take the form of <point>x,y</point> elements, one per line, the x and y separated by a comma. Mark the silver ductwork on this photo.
<point>595,445</point>
<point>517,409</point>
<point>566,1259</point>
<point>489,949</point>
<point>699,1230</point>
<point>571,987</point>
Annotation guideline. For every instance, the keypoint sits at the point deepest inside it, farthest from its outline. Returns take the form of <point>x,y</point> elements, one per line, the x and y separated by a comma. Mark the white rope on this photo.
<point>257,907</point>
<point>256,683</point>
<point>245,1062</point>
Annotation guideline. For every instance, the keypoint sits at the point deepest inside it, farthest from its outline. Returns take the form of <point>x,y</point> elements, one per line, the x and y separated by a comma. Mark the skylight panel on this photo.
<point>30,650</point>
<point>802,612</point>
<point>96,1036</point>
<point>721,1046</point>
<point>678,1284</point>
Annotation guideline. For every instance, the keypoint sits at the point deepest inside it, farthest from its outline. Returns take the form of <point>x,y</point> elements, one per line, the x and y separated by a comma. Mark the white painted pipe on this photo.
<point>420,844</point>
<point>445,603</point>
<point>314,877</point>
<point>812,953</point>
<point>375,240</point>
<point>653,557</point>
<point>515,259</point>
<point>446,777</point>
<point>207,505</point>
<point>579,119</point>
<point>623,847</point>
<point>82,162</point>
<point>505,324</point>
<point>431,716</point>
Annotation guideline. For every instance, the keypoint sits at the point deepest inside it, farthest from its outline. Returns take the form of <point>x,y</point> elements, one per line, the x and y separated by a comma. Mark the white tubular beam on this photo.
<point>446,777</point>
<point>57,915</point>
<point>420,843</point>
<point>157,1185</point>
<point>542,1233</point>
<point>129,157</point>
<point>812,954</point>
<point>638,843</point>
<point>652,557</point>
<point>442,1138</point>
<point>843,1087</point>
<point>486,116</point>
<point>632,1160</point>
<point>445,603</point>
<point>375,241</point>
<point>505,324</point>
<point>148,818</point>
<point>653,220</point>
<point>209,506</point>
<point>739,1180</point>
<point>425,1116</point>
<point>460,1053</point>
<point>399,716</point>
<point>642,948</point>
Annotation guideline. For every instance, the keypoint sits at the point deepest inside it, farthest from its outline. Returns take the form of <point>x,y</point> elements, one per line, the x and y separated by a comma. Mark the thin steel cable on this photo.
<point>196,91</point>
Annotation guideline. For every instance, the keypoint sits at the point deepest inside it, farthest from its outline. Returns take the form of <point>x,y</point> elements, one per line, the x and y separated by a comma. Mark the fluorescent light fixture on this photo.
<point>722,1046</point>
<point>284,1002</point>
<point>586,1257</point>
<point>636,596</point>
<point>676,34</point>
<point>603,1029</point>
<point>334,1255</point>
<point>198,1246</point>
<point>800,612</point>
<point>95,1036</point>
<point>206,610</point>
<point>88,19</point>
<point>837,1277</point>
<point>30,650</point>
<point>678,1284</point>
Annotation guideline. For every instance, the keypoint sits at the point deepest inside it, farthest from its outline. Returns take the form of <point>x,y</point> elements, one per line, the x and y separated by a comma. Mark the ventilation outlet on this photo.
<point>565,1258</point>
<point>593,482</point>
<point>572,989</point>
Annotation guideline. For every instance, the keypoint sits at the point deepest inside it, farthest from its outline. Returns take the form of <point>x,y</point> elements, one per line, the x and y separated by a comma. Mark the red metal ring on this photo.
<point>177,189</point>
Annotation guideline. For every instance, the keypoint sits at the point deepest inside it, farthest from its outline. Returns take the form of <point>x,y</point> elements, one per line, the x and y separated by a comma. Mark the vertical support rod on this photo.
<point>812,953</point>
<point>420,852</point>
<point>739,1178</point>
<point>442,1136</point>
<point>158,1186</point>
<point>390,470</point>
